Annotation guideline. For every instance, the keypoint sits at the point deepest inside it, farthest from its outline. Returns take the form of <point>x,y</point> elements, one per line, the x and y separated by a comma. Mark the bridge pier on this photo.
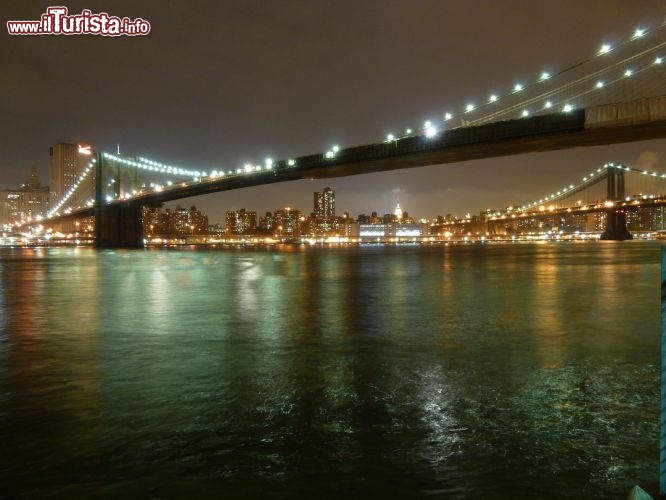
<point>616,226</point>
<point>118,226</point>
<point>616,219</point>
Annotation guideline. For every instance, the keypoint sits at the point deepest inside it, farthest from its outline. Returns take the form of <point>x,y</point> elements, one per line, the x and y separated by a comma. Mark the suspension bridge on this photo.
<point>616,94</point>
<point>601,200</point>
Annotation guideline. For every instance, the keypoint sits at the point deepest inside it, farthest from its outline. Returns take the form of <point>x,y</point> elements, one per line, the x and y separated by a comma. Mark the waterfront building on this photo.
<point>391,231</point>
<point>287,222</point>
<point>184,222</point>
<point>267,223</point>
<point>27,202</point>
<point>155,222</point>
<point>173,223</point>
<point>240,222</point>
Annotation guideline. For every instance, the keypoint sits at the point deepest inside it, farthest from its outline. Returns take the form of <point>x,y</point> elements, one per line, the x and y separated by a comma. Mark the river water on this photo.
<point>463,371</point>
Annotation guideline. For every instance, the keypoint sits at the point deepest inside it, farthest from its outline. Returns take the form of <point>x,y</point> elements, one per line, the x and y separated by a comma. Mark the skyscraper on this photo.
<point>324,204</point>
<point>66,162</point>
<point>324,210</point>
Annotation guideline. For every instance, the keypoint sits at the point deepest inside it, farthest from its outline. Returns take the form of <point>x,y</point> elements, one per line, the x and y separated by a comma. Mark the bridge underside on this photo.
<point>488,148</point>
<point>491,149</point>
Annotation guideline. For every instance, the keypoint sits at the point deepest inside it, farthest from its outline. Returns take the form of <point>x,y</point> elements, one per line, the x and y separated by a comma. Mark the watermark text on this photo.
<point>56,21</point>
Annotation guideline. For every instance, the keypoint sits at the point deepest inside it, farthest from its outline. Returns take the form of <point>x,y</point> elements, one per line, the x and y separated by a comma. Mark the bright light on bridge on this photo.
<point>430,132</point>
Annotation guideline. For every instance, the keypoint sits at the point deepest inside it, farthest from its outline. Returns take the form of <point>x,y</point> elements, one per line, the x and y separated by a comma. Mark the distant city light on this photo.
<point>544,76</point>
<point>469,108</point>
<point>605,48</point>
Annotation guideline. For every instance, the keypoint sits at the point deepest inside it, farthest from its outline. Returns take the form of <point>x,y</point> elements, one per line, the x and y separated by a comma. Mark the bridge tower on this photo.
<point>119,224</point>
<point>616,218</point>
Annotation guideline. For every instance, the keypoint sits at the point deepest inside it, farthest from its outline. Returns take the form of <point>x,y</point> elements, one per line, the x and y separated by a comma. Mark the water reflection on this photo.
<point>455,372</point>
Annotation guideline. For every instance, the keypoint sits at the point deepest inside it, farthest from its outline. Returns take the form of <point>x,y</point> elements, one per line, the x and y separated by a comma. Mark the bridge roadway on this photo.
<point>525,135</point>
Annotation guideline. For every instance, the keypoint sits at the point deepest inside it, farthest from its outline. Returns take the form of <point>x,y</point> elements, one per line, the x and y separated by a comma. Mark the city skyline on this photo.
<point>347,74</point>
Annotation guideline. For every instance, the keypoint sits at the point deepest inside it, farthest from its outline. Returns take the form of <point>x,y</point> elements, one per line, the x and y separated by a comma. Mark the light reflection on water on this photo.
<point>400,372</point>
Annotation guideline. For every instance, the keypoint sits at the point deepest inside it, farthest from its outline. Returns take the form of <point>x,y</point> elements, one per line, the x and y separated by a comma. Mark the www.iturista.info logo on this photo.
<point>56,22</point>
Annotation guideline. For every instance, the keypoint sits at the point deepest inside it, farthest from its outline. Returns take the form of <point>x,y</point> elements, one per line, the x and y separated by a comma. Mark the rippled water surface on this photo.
<point>508,371</point>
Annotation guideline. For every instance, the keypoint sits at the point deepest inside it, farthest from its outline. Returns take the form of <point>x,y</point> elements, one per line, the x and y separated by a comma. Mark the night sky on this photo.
<point>221,83</point>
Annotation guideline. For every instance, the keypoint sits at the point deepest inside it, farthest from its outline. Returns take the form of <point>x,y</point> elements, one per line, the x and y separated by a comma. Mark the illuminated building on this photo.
<point>183,222</point>
<point>155,222</point>
<point>66,163</point>
<point>241,222</point>
<point>398,212</point>
<point>267,223</point>
<point>324,204</point>
<point>324,210</point>
<point>28,201</point>
<point>287,222</point>
<point>391,231</point>
<point>174,223</point>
